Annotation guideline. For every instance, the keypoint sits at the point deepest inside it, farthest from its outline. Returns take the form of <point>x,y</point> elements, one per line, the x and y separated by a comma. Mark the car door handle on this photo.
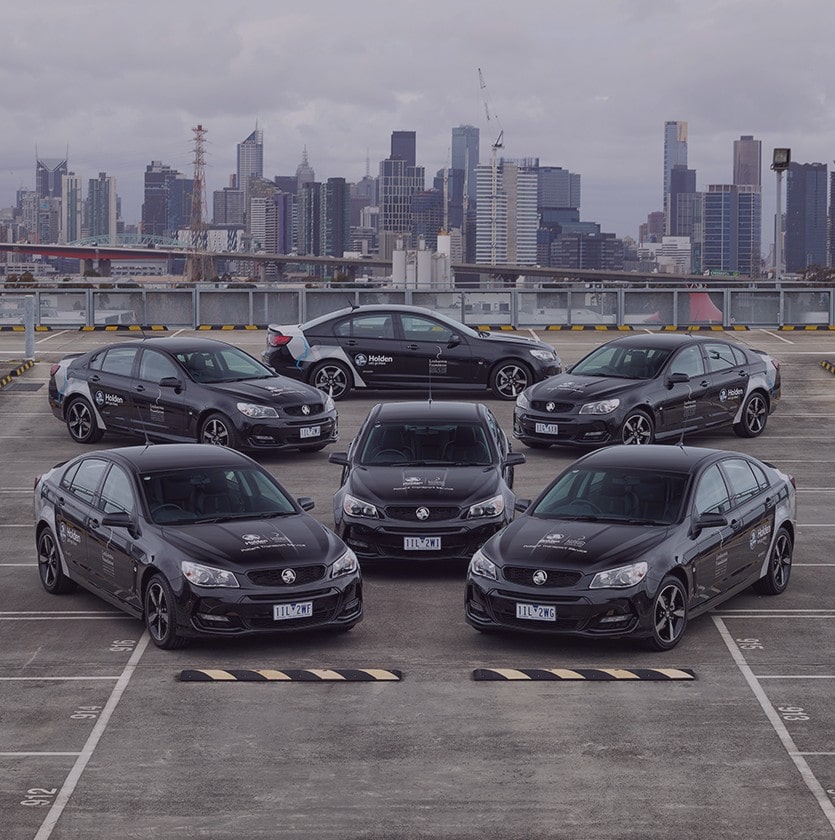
<point>769,502</point>
<point>351,343</point>
<point>735,524</point>
<point>94,524</point>
<point>413,347</point>
<point>139,388</point>
<point>95,378</point>
<point>704,383</point>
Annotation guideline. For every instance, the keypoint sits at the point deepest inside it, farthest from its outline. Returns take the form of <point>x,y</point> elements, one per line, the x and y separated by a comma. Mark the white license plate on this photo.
<point>547,429</point>
<point>302,609</point>
<point>309,431</point>
<point>421,543</point>
<point>536,612</point>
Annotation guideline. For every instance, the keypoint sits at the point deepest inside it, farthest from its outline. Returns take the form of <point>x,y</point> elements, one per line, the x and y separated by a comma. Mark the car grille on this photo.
<point>272,577</point>
<point>296,410</point>
<point>559,407</point>
<point>407,513</point>
<point>524,576</point>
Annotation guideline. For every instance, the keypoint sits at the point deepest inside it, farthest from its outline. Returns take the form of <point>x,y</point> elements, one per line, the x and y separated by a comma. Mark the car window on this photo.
<point>422,443</point>
<point>227,364</point>
<point>688,361</point>
<point>87,478</point>
<point>67,477</point>
<point>498,435</point>
<point>154,366</point>
<point>378,325</point>
<point>117,493</point>
<point>625,361</point>
<point>744,482</point>
<point>119,360</point>
<point>419,328</point>
<point>712,493</point>
<point>719,356</point>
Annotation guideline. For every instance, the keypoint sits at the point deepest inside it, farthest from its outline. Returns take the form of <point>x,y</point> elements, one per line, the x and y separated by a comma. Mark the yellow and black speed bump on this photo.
<point>705,327</point>
<point>580,327</point>
<point>505,327</point>
<point>293,675</point>
<point>124,327</point>
<point>589,674</point>
<point>828,366</point>
<point>807,327</point>
<point>231,327</point>
<point>21,328</point>
<point>5,380</point>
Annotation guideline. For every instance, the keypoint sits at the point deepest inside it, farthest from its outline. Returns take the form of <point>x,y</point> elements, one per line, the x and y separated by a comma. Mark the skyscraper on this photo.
<point>806,216</point>
<point>404,146</point>
<point>101,208</point>
<point>167,200</point>
<point>72,207</point>
<point>398,183</point>
<point>675,152</point>
<point>464,156</point>
<point>679,201</point>
<point>250,159</point>
<point>48,174</point>
<point>732,229</point>
<point>748,161</point>
<point>304,172</point>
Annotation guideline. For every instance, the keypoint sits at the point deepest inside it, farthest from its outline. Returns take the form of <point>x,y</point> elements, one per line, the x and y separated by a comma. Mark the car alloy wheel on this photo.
<point>51,573</point>
<point>754,416</point>
<point>160,614</point>
<point>81,422</point>
<point>669,614</point>
<point>333,378</point>
<point>217,430</point>
<point>509,380</point>
<point>776,578</point>
<point>637,429</point>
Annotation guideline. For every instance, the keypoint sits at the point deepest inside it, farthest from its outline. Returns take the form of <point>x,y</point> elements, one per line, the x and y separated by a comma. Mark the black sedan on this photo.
<point>188,389</point>
<point>635,542</point>
<point>424,481</point>
<point>379,347</point>
<point>645,388</point>
<point>197,540</point>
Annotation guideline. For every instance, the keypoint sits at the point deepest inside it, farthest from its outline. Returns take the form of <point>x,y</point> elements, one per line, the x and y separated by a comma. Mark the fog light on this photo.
<point>218,619</point>
<point>613,619</point>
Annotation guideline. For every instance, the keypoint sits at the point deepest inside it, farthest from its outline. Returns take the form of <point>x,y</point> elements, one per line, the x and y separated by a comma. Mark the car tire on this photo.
<point>668,614</point>
<point>161,614</point>
<point>509,378</point>
<point>217,429</point>
<point>637,429</point>
<point>53,578</point>
<point>332,378</point>
<point>754,416</point>
<point>535,444</point>
<point>81,422</point>
<point>776,578</point>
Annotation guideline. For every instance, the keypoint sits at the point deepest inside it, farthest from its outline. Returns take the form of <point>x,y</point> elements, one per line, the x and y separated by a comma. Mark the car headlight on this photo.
<point>345,565</point>
<point>357,507</point>
<point>602,407</point>
<point>482,566</point>
<point>490,507</point>
<point>544,355</point>
<point>522,401</point>
<point>201,575</point>
<point>621,577</point>
<point>253,410</point>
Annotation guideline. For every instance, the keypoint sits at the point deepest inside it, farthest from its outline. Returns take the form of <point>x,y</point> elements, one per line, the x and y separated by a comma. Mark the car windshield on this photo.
<point>225,364</point>
<point>641,497</point>
<point>212,494</point>
<point>463,444</point>
<point>623,361</point>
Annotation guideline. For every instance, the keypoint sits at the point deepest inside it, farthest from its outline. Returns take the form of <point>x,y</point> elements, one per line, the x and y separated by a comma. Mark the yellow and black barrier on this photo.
<point>806,328</point>
<point>830,366</point>
<point>293,675</point>
<point>125,328</point>
<point>704,328</point>
<point>15,372</point>
<point>21,328</point>
<point>580,674</point>
<point>228,327</point>
<point>581,327</point>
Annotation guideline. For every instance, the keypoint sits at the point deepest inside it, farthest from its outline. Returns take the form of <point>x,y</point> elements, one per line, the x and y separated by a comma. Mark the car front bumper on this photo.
<point>574,429</point>
<point>284,434</point>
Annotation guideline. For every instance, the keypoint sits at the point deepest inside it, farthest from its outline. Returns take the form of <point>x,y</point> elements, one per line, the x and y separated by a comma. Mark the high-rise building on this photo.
<point>304,172</point>
<point>506,220</point>
<point>404,146</point>
<point>100,211</point>
<point>228,206</point>
<point>748,161</point>
<point>167,200</point>
<point>806,222</point>
<point>464,157</point>
<point>831,218</point>
<point>48,174</point>
<point>675,152</point>
<point>250,160</point>
<point>335,225</point>
<point>72,209</point>
<point>732,229</point>
<point>679,200</point>
<point>398,182</point>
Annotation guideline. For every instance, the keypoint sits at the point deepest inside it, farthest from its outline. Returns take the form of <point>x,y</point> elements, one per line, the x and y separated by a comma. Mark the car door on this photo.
<point>682,403</point>
<point>369,342</point>
<point>110,550</point>
<point>73,506</point>
<point>161,409</point>
<point>728,371</point>
<point>751,516</point>
<point>434,351</point>
<point>111,388</point>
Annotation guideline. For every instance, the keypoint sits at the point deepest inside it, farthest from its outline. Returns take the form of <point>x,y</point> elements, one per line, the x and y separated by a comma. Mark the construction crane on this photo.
<point>494,172</point>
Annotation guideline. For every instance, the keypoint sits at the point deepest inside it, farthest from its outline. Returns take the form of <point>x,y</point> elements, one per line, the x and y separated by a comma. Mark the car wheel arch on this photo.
<point>510,360</point>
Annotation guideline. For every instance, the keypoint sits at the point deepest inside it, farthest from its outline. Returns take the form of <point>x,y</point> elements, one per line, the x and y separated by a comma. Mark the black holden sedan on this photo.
<point>424,481</point>
<point>188,389</point>
<point>644,388</point>
<point>632,541</point>
<point>195,539</point>
<point>405,347</point>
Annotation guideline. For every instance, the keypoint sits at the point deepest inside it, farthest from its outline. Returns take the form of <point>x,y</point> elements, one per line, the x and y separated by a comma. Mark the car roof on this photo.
<point>442,410</point>
<point>167,456</point>
<point>175,344</point>
<point>664,339</point>
<point>376,307</point>
<point>654,457</point>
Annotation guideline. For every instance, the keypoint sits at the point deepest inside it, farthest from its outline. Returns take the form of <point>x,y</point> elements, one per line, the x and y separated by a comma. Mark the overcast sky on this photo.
<point>586,85</point>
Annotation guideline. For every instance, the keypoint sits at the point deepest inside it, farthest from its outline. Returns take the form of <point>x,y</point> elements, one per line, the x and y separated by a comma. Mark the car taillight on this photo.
<point>278,340</point>
<point>54,369</point>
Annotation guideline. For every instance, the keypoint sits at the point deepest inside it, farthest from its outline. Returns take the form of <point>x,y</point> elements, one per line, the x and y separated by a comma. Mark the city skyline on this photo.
<point>595,105</point>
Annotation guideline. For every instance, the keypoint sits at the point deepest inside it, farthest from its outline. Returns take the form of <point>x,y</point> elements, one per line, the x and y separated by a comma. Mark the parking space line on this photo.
<point>65,617</point>
<point>795,676</point>
<point>50,337</point>
<point>66,679</point>
<point>29,754</point>
<point>815,787</point>
<point>86,753</point>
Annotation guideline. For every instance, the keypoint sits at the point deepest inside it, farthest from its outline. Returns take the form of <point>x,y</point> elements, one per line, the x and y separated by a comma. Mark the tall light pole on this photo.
<point>780,163</point>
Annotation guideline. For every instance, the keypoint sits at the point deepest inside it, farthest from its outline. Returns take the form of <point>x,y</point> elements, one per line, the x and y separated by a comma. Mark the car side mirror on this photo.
<point>513,459</point>
<point>340,458</point>
<point>306,503</point>
<point>454,341</point>
<point>707,520</point>
<point>171,382</point>
<point>522,505</point>
<point>676,378</point>
<point>120,519</point>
